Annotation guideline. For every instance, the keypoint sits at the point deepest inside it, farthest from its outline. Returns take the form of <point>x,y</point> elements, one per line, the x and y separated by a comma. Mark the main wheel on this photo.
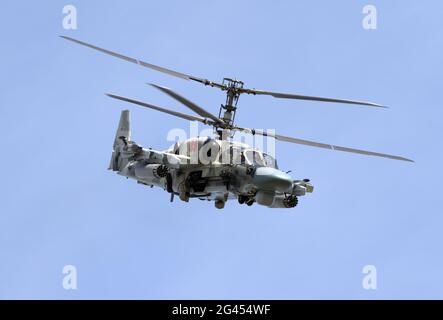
<point>183,191</point>
<point>184,196</point>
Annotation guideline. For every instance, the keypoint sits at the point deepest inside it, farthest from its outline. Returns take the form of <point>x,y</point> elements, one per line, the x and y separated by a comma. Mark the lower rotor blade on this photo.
<point>323,145</point>
<point>151,106</point>
<point>191,105</point>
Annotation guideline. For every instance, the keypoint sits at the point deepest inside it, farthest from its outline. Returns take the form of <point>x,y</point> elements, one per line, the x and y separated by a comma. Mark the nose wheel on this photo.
<point>219,204</point>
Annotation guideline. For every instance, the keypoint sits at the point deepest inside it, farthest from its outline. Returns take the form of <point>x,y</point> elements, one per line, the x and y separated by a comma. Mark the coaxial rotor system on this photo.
<point>233,88</point>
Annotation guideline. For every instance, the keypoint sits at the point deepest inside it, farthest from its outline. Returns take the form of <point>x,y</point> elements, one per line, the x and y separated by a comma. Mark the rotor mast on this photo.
<point>227,111</point>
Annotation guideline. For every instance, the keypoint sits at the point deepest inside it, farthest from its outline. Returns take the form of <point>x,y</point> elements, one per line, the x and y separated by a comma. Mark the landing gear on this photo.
<point>219,204</point>
<point>184,196</point>
<point>183,191</point>
<point>246,199</point>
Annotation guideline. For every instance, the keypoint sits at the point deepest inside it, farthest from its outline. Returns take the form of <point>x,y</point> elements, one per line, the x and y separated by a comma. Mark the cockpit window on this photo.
<point>237,155</point>
<point>232,155</point>
<point>255,158</point>
<point>270,161</point>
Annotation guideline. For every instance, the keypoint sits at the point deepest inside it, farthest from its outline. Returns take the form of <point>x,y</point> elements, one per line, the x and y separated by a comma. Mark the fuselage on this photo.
<point>213,169</point>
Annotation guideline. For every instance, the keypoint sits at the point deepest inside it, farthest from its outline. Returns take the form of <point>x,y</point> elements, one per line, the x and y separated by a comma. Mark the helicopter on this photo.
<point>214,168</point>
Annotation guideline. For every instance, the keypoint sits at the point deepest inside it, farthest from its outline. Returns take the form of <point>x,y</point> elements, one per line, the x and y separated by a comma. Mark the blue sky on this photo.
<point>61,206</point>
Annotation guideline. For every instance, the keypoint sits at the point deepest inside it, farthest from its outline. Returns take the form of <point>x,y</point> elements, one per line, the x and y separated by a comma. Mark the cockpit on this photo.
<point>226,154</point>
<point>236,155</point>
<point>254,158</point>
<point>270,161</point>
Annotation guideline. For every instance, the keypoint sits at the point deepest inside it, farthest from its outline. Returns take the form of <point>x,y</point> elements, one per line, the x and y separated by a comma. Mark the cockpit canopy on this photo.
<point>222,152</point>
<point>254,158</point>
<point>237,155</point>
<point>270,161</point>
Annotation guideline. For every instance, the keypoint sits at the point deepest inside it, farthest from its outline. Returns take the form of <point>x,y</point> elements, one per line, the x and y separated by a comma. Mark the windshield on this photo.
<point>232,155</point>
<point>270,161</point>
<point>255,158</point>
<point>235,155</point>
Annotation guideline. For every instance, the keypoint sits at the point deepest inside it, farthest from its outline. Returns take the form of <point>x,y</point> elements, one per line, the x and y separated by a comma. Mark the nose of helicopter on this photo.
<point>267,178</point>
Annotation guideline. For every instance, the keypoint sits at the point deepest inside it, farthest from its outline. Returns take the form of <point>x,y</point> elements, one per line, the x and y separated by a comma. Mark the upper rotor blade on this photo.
<point>151,106</point>
<point>147,65</point>
<point>311,98</point>
<point>324,145</point>
<point>191,105</point>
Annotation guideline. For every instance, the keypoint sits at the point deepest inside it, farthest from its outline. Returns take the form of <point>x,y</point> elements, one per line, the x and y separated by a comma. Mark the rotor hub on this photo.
<point>233,90</point>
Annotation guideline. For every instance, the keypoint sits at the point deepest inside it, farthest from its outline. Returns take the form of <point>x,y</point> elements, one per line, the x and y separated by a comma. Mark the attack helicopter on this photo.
<point>214,168</point>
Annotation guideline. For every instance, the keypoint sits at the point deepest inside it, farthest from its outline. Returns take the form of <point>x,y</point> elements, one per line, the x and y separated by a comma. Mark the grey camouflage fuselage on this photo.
<point>229,170</point>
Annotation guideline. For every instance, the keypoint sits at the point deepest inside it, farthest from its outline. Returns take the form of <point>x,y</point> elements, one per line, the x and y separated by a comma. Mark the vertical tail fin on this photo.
<point>122,135</point>
<point>124,128</point>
